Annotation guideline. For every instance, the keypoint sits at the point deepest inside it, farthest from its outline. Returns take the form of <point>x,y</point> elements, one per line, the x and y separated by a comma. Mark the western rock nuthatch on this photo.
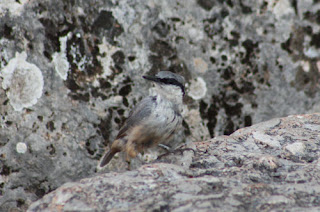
<point>153,120</point>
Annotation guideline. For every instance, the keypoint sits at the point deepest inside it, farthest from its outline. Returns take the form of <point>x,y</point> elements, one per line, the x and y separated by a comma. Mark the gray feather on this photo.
<point>138,114</point>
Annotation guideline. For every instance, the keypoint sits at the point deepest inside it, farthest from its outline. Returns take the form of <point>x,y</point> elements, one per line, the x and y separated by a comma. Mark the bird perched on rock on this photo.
<point>153,120</point>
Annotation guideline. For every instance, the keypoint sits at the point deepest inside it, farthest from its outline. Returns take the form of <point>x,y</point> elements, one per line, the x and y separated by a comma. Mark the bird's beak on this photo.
<point>151,78</point>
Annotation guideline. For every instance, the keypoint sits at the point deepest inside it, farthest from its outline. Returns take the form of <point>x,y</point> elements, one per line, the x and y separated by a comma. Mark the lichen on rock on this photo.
<point>23,82</point>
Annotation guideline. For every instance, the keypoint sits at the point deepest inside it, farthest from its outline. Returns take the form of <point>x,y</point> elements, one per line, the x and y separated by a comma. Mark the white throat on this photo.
<point>170,92</point>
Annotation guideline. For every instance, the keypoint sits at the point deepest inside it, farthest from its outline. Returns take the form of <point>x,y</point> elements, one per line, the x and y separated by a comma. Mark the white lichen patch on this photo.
<point>23,80</point>
<point>60,60</point>
<point>197,89</point>
<point>311,52</point>
<point>281,8</point>
<point>21,148</point>
<point>15,7</point>
<point>108,50</point>
<point>305,65</point>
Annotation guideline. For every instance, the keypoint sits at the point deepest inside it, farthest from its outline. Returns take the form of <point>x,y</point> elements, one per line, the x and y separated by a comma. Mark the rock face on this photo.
<point>70,71</point>
<point>241,172</point>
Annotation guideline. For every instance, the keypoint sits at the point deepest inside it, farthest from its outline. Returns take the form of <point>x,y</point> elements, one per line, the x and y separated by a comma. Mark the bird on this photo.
<point>154,120</point>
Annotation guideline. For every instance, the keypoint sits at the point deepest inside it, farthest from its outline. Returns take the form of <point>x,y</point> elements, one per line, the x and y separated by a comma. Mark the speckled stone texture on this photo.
<point>70,71</point>
<point>240,172</point>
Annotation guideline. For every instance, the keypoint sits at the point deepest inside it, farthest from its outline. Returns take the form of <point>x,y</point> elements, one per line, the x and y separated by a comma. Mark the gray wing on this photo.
<point>138,113</point>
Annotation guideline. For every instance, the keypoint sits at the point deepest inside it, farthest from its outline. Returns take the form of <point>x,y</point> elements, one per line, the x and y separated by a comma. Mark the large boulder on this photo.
<point>270,166</point>
<point>70,71</point>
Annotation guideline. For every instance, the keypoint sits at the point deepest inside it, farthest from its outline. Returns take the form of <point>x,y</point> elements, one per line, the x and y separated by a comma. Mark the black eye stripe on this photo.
<point>172,82</point>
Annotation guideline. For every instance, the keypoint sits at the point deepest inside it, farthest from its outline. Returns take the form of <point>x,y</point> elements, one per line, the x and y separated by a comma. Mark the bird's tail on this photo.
<point>117,146</point>
<point>107,157</point>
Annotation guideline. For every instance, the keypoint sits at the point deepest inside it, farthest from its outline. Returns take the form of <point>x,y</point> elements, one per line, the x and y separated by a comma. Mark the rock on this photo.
<point>70,72</point>
<point>267,140</point>
<point>225,175</point>
<point>296,148</point>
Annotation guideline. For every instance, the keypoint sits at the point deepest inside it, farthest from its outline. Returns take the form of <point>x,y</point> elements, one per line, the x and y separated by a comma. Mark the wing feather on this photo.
<point>138,114</point>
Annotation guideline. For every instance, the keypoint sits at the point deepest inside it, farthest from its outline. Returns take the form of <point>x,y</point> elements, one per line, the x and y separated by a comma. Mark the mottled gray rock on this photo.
<point>70,71</point>
<point>228,173</point>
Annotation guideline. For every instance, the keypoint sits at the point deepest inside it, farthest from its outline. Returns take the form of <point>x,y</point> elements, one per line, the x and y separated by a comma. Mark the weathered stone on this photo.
<point>224,175</point>
<point>70,71</point>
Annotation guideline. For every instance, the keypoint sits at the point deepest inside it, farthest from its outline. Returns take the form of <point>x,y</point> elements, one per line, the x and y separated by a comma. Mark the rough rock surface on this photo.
<point>70,71</point>
<point>271,166</point>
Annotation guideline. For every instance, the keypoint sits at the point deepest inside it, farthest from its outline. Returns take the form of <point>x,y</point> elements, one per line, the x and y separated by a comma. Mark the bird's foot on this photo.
<point>173,151</point>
